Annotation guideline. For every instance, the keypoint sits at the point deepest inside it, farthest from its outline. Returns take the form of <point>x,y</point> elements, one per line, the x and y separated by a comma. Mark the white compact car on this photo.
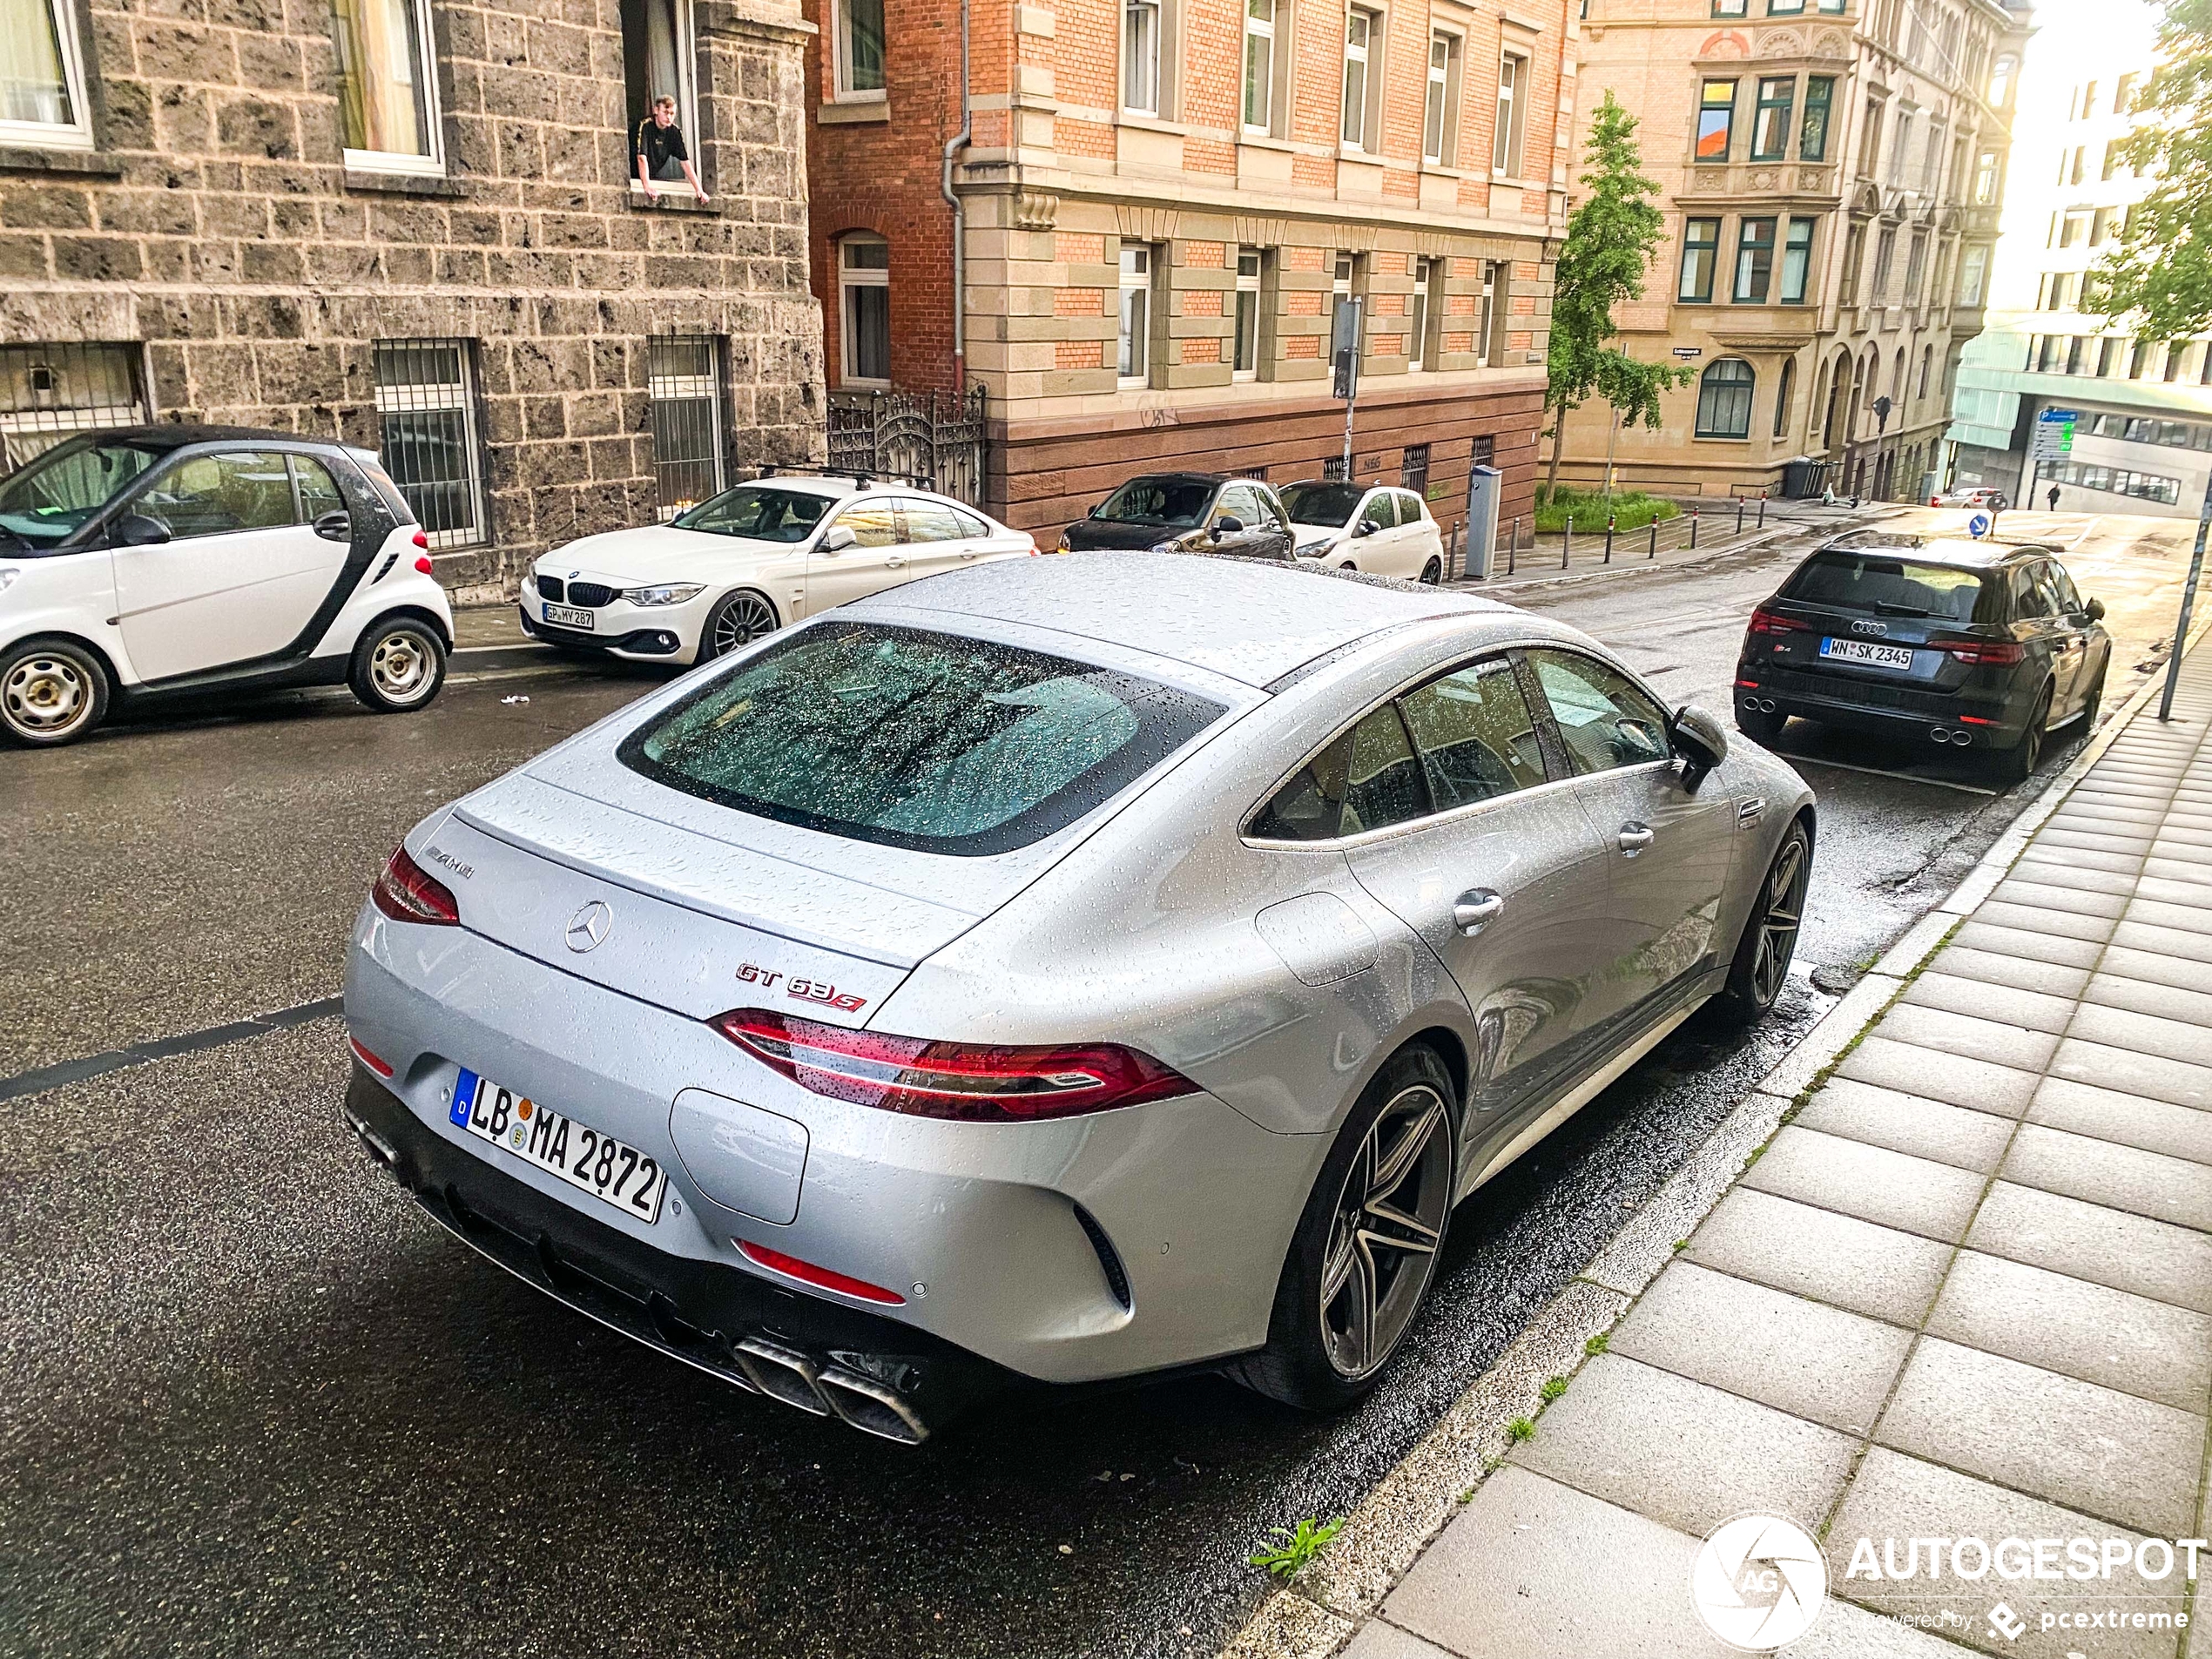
<point>750,560</point>
<point>1377,528</point>
<point>166,562</point>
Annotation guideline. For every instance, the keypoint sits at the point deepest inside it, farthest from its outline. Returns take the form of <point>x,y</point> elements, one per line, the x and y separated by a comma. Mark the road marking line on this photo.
<point>1876,772</point>
<point>65,1072</point>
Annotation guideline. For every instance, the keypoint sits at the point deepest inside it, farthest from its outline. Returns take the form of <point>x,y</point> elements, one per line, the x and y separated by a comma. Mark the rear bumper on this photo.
<point>1905,714</point>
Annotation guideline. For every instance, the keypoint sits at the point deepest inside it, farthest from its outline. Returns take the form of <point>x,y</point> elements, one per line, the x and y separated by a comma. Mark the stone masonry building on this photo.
<point>1165,201</point>
<point>416,224</point>
<point>1832,172</point>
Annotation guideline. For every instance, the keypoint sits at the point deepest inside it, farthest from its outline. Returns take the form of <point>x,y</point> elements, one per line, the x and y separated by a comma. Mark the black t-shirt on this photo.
<point>660,145</point>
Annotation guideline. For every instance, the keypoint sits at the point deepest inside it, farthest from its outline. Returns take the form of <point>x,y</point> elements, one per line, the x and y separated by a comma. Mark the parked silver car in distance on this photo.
<point>1055,971</point>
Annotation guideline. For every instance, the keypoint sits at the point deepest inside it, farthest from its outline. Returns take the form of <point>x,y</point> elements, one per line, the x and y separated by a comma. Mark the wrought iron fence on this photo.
<point>426,400</point>
<point>937,436</point>
<point>49,391</point>
<point>683,375</point>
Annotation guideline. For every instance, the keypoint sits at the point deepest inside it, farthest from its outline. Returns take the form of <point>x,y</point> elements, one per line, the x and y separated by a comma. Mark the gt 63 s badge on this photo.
<point>803,990</point>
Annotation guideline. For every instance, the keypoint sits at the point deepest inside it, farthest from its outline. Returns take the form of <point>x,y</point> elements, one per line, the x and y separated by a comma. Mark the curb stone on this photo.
<point>1315,1616</point>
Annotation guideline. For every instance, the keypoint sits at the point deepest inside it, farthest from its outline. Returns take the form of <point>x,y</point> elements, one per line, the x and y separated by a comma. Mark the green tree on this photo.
<point>1610,239</point>
<point>2158,278</point>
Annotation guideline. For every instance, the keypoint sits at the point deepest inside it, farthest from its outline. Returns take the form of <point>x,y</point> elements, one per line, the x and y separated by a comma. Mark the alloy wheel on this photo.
<point>45,696</point>
<point>399,667</point>
<point>1781,912</point>
<point>1382,1240</point>
<point>740,622</point>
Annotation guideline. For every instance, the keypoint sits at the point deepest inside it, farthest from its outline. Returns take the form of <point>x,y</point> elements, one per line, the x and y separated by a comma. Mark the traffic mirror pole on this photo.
<point>2189,603</point>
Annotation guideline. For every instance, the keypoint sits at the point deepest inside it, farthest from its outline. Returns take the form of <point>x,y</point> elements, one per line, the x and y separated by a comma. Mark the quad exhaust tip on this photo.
<point>1759,705</point>
<point>1948,734</point>
<point>793,1377</point>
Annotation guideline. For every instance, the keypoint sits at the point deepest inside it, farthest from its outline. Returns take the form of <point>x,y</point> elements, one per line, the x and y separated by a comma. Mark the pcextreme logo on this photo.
<point>1758,1582</point>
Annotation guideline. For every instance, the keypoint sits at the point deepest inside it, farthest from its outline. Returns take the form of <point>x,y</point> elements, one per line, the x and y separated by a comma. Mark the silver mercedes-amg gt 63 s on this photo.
<point>1057,971</point>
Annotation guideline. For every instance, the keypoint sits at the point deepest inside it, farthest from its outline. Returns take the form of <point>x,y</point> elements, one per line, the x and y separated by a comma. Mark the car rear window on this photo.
<point>1884,584</point>
<point>914,739</point>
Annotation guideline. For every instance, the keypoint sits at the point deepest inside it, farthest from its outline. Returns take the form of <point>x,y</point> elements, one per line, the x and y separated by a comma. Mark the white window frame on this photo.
<point>433,163</point>
<point>849,278</point>
<point>1144,31</point>
<point>1245,309</point>
<point>1133,335</point>
<point>1259,30</point>
<point>59,135</point>
<point>1424,296</point>
<point>843,91</point>
<point>1362,59</point>
<point>687,91</point>
<point>1440,109</point>
<point>1509,139</point>
<point>1485,313</point>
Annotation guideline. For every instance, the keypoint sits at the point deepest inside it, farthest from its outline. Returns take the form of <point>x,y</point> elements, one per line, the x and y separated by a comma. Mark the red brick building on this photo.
<point>1165,201</point>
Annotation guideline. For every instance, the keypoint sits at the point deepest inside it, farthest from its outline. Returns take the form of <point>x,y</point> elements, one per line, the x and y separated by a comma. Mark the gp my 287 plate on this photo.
<point>599,1164</point>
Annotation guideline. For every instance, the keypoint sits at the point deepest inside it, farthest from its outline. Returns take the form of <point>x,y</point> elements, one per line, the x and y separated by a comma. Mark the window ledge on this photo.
<point>674,198</point>
<point>841,112</point>
<point>98,164</point>
<point>1269,141</point>
<point>361,180</point>
<point>1151,123</point>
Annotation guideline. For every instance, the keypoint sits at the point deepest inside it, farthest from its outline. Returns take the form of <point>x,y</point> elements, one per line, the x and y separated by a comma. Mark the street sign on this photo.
<point>1343,349</point>
<point>1687,352</point>
<point>1978,526</point>
<point>2053,435</point>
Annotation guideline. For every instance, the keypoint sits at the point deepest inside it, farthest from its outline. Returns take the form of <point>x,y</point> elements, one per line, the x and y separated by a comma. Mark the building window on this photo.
<point>1716,120</point>
<point>387,87</point>
<point>1413,469</point>
<point>1730,7</point>
<point>1973,271</point>
<point>1813,138</point>
<point>1246,357</point>
<point>1796,262</point>
<point>1424,288</point>
<point>1916,264</point>
<point>49,393</point>
<point>1770,119</point>
<point>1506,140</point>
<point>1440,119</point>
<point>1259,65</point>
<point>1724,400</point>
<point>1985,170</point>
<point>1783,392</point>
<point>1701,242</point>
<point>2000,82</point>
<point>2138,359</point>
<point>1927,367</point>
<point>1854,255</point>
<point>426,396</point>
<point>1141,56</point>
<point>1490,314</point>
<point>657,60</point>
<point>1754,259</point>
<point>1900,146</point>
<point>1870,150</point>
<point>1363,49</point>
<point>2174,352</point>
<point>1133,364</point>
<point>864,310</point>
<point>2108,353</point>
<point>1885,258</point>
<point>42,83</point>
<point>860,48</point>
<point>1784,8</point>
<point>683,378</point>
<point>2119,481</point>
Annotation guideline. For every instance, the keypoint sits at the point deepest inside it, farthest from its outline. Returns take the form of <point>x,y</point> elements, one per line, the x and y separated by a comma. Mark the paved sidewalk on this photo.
<point>1966,1291</point>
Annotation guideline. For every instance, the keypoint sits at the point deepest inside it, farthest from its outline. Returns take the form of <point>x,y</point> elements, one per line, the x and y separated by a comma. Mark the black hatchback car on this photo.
<point>1957,643</point>
<point>1187,512</point>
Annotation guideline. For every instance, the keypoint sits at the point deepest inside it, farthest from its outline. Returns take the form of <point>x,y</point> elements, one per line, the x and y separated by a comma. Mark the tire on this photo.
<point>738,619</point>
<point>399,664</point>
<point>1317,1357</point>
<point>51,693</point>
<point>1760,727</point>
<point>1770,938</point>
<point>2018,764</point>
<point>1432,573</point>
<point>2095,701</point>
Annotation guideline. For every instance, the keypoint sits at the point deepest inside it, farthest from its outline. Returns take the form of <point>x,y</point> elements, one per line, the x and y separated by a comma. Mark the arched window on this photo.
<point>864,309</point>
<point>1783,394</point>
<point>1927,367</point>
<point>1724,400</point>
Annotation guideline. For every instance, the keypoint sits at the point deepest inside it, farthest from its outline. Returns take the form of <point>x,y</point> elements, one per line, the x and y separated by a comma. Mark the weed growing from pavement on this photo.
<point>1299,1545</point>
<point>1598,1343</point>
<point>1520,1429</point>
<point>1681,1244</point>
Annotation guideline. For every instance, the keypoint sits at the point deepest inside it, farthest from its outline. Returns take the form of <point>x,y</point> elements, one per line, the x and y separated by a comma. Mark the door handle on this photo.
<point>893,561</point>
<point>1476,909</point>
<point>1634,838</point>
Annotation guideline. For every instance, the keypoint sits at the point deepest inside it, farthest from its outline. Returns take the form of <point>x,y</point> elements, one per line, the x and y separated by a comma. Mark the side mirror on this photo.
<point>1228,524</point>
<point>838,537</point>
<point>2094,611</point>
<point>1367,527</point>
<point>336,525</point>
<point>1700,741</point>
<point>136,530</point>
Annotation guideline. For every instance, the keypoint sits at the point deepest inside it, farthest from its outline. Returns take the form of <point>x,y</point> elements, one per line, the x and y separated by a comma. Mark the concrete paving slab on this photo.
<point>1962,1035</point>
<point>1843,1631</point>
<point>2193,1009</point>
<point>2129,1120</point>
<point>2026,943</point>
<point>1532,1570</point>
<point>2056,901</point>
<point>2182,918</point>
<point>2129,1252</point>
<point>2137,1074</point>
<point>1835,1258</point>
<point>1683,1452</point>
<point>2045,856</point>
<point>1913,1195</point>
<point>2107,838</point>
<point>2055,979</point>
<point>2155,967</point>
<point>2167,942</point>
<point>2118,1177</point>
<point>1980,999</point>
<point>2069,1325</point>
<point>1378,1640</point>
<point>1908,1123</point>
<point>2036,919</point>
<point>2151,1034</point>
<point>1798,1356</point>
<point>1897,1497</point>
<point>2051,871</point>
<point>2192,872</point>
<point>1962,1080</point>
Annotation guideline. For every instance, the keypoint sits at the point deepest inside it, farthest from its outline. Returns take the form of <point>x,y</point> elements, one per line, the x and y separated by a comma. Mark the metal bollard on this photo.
<point>1739,515</point>
<point>1654,552</point>
<point>1611,519</point>
<point>1693,530</point>
<point>1762,524</point>
<point>1513,546</point>
<point>1567,542</point>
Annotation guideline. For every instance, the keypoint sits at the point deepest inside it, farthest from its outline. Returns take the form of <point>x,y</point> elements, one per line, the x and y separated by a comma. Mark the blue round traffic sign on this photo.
<point>1978,526</point>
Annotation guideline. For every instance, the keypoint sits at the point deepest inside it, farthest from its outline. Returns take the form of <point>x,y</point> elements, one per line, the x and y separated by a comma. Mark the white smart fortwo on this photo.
<point>165,562</point>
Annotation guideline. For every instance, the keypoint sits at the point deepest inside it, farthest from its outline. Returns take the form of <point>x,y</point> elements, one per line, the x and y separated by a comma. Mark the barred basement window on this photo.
<point>49,393</point>
<point>426,391</point>
<point>1413,467</point>
<point>684,377</point>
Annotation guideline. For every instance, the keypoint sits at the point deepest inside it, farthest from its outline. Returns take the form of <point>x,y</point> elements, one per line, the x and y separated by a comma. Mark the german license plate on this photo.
<point>593,1163</point>
<point>1860,650</point>
<point>569,615</point>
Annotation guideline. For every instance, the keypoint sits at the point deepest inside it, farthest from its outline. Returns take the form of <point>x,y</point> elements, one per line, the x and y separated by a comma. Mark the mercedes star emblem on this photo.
<point>588,927</point>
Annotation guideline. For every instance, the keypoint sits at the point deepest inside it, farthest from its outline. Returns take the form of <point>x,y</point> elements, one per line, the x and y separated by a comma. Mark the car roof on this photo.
<point>1252,620</point>
<point>179,434</point>
<point>1961,551</point>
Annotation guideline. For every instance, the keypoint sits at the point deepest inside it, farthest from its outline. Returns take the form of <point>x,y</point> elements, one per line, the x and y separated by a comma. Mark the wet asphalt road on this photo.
<point>254,1403</point>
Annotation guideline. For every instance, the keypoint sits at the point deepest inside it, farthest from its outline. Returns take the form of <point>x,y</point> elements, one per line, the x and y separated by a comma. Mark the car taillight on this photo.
<point>2000,653</point>
<point>1769,622</point>
<point>374,1061</point>
<point>420,539</point>
<point>972,1082</point>
<point>406,892</point>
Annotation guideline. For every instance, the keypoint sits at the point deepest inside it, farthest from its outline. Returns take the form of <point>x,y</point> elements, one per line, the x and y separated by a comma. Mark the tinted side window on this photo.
<point>1410,509</point>
<point>871,525</point>
<point>318,494</point>
<point>1269,513</point>
<point>2053,590</point>
<point>926,522</point>
<point>1385,787</point>
<point>971,525</point>
<point>1236,502</point>
<point>1311,807</point>
<point>220,494</point>
<point>2031,602</point>
<point>1474,734</point>
<point>1605,721</point>
<point>2069,598</point>
<point>1380,510</point>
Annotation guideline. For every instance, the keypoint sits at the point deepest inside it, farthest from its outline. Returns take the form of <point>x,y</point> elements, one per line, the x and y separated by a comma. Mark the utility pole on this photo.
<point>1343,354</point>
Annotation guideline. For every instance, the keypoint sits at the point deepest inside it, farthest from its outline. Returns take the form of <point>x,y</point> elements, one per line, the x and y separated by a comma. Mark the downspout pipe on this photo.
<point>954,145</point>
